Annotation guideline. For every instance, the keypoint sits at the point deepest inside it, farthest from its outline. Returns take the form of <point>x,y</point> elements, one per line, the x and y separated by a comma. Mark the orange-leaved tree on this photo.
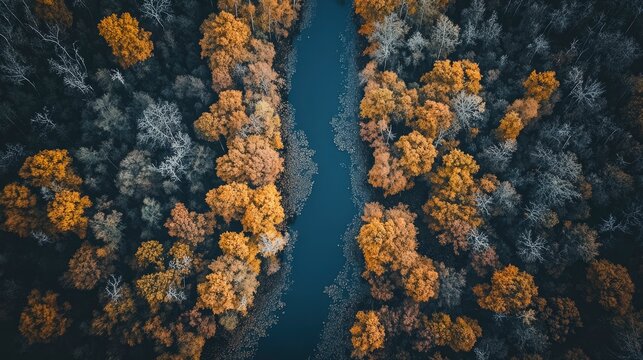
<point>510,290</point>
<point>224,44</point>
<point>251,159</point>
<point>50,168</point>
<point>129,43</point>
<point>54,11</point>
<point>541,85</point>
<point>225,117</point>
<point>448,78</point>
<point>229,201</point>
<point>451,208</point>
<point>189,226</point>
<point>67,212</point>
<point>367,333</point>
<point>231,285</point>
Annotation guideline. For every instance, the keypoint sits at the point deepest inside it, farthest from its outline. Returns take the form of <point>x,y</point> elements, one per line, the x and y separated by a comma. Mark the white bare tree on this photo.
<point>157,10</point>
<point>176,165</point>
<point>11,154</point>
<point>417,45</point>
<point>160,125</point>
<point>68,63</point>
<point>42,121</point>
<point>389,37</point>
<point>113,289</point>
<point>174,294</point>
<point>555,191</point>
<point>41,237</point>
<point>531,249</point>
<point>271,244</point>
<point>116,75</point>
<point>478,240</point>
<point>468,109</point>
<point>584,92</point>
<point>14,68</point>
<point>444,37</point>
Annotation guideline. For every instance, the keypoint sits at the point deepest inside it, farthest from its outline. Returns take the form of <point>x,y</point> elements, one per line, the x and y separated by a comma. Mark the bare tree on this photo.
<point>41,237</point>
<point>11,154</point>
<point>116,75</point>
<point>157,10</point>
<point>160,125</point>
<point>13,66</point>
<point>444,37</point>
<point>389,37</point>
<point>584,92</point>
<point>468,109</point>
<point>68,63</point>
<point>531,249</point>
<point>417,44</point>
<point>555,191</point>
<point>176,166</point>
<point>42,122</point>
<point>113,288</point>
<point>478,240</point>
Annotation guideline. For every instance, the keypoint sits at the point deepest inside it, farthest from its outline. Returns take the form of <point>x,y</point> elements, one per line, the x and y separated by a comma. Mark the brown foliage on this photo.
<point>150,253</point>
<point>85,268</point>
<point>54,12</point>
<point>459,335</point>
<point>129,43</point>
<point>18,205</point>
<point>189,225</point>
<point>561,315</point>
<point>43,320</point>
<point>611,285</point>
<point>387,173</point>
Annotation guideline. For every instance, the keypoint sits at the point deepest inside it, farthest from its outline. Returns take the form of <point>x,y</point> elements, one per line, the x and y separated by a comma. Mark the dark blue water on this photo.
<point>316,87</point>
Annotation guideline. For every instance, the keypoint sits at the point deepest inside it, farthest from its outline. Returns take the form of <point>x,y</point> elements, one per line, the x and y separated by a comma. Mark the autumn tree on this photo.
<point>452,209</point>
<point>416,153</point>
<point>367,334</point>
<point>431,119</point>
<point>154,287</point>
<point>387,173</point>
<point>54,12</point>
<point>264,211</point>
<point>276,16</point>
<point>189,225</point>
<point>67,212</point>
<point>115,316</point>
<point>250,159</point>
<point>510,290</point>
<point>225,117</point>
<point>373,11</point>
<point>19,208</point>
<point>460,334</point>
<point>231,285</point>
<point>561,315</point>
<point>242,248</point>
<point>150,253</point>
<point>510,126</point>
<point>43,319</point>
<point>541,85</point>
<point>229,201</point>
<point>224,44</point>
<point>86,268</point>
<point>50,168</point>
<point>129,43</point>
<point>610,285</point>
<point>448,78</point>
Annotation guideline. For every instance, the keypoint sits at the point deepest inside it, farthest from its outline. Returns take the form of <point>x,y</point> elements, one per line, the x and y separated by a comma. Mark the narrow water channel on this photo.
<point>316,87</point>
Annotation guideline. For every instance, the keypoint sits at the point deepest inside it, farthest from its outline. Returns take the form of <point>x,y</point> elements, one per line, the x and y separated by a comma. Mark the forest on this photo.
<point>152,170</point>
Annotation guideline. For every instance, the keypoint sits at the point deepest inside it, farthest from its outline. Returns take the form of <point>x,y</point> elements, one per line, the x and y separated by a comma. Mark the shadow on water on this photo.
<point>316,88</point>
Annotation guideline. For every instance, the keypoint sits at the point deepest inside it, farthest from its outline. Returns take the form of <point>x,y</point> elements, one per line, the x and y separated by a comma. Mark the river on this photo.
<point>317,258</point>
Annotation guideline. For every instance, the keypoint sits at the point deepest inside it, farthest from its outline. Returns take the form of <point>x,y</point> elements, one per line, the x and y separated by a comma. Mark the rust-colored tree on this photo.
<point>129,43</point>
<point>54,12</point>
<point>188,225</point>
<point>19,208</point>
<point>86,268</point>
<point>251,160</point>
<point>610,285</point>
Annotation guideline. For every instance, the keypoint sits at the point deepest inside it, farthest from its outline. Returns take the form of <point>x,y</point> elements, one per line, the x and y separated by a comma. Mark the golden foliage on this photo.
<point>153,287</point>
<point>417,153</point>
<point>129,43</point>
<point>67,212</point>
<point>231,285</point>
<point>240,246</point>
<point>150,253</point>
<point>50,168</point>
<point>510,126</point>
<point>229,201</point>
<point>43,320</point>
<point>448,78</point>
<point>387,173</point>
<point>541,86</point>
<point>224,44</point>
<point>511,290</point>
<point>225,117</point>
<point>264,212</point>
<point>432,118</point>
<point>367,333</point>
